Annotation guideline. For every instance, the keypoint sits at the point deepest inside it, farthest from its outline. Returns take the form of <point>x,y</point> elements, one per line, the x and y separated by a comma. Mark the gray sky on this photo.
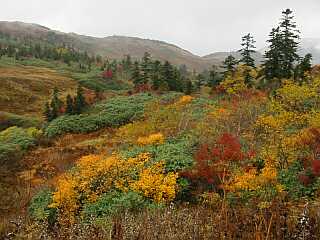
<point>200,26</point>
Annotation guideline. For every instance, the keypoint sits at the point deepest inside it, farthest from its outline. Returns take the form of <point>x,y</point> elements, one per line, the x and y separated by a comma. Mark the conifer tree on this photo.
<point>79,101</point>
<point>136,75</point>
<point>47,112</point>
<point>56,104</point>
<point>247,50</point>
<point>188,87</point>
<point>289,44</point>
<point>214,78</point>
<point>146,68</point>
<point>70,105</point>
<point>282,53</point>
<point>200,80</point>
<point>303,67</point>
<point>229,64</point>
<point>156,74</point>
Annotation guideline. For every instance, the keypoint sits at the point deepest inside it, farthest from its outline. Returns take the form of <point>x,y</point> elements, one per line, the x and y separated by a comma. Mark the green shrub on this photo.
<point>112,113</point>
<point>177,153</point>
<point>9,120</point>
<point>289,178</point>
<point>18,136</point>
<point>38,208</point>
<point>114,202</point>
<point>14,141</point>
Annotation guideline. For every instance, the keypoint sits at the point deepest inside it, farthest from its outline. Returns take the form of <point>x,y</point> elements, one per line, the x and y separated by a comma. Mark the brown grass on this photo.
<point>24,90</point>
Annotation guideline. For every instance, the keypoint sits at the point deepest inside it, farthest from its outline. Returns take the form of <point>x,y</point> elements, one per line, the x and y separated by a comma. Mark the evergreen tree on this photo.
<point>229,64</point>
<point>200,80</point>
<point>47,112</point>
<point>70,106</point>
<point>146,68</point>
<point>56,104</point>
<point>79,101</point>
<point>282,53</point>
<point>214,77</point>
<point>136,75</point>
<point>156,74</point>
<point>247,50</point>
<point>188,87</point>
<point>289,45</point>
<point>272,65</point>
<point>303,67</point>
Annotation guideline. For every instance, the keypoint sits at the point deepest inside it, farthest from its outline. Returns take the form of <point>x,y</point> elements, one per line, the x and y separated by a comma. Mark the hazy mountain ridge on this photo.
<point>116,47</point>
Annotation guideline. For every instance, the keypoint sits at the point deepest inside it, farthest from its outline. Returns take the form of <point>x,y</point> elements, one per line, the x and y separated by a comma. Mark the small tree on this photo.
<point>136,75</point>
<point>229,64</point>
<point>303,68</point>
<point>47,112</point>
<point>70,105</point>
<point>79,101</point>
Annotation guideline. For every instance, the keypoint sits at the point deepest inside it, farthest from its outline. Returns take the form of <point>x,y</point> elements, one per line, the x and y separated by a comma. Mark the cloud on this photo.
<point>201,26</point>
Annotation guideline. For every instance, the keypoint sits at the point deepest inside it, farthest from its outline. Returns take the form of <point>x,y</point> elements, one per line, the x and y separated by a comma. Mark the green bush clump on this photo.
<point>14,141</point>
<point>38,208</point>
<point>289,178</point>
<point>112,113</point>
<point>9,119</point>
<point>176,153</point>
<point>114,202</point>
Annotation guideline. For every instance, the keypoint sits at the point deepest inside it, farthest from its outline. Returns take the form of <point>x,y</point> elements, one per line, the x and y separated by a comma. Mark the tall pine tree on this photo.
<point>247,50</point>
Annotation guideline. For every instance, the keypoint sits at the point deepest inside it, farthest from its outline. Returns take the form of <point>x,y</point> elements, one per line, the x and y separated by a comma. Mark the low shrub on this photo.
<point>9,119</point>
<point>38,208</point>
<point>114,203</point>
<point>112,113</point>
<point>14,141</point>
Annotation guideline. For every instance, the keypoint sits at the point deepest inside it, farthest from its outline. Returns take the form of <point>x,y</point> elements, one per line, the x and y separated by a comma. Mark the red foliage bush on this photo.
<point>108,74</point>
<point>212,160</point>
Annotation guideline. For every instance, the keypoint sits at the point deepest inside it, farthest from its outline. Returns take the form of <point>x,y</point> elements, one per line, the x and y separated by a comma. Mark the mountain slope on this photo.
<point>24,90</point>
<point>112,47</point>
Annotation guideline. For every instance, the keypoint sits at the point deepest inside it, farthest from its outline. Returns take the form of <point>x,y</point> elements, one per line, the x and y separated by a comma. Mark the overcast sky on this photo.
<point>200,26</point>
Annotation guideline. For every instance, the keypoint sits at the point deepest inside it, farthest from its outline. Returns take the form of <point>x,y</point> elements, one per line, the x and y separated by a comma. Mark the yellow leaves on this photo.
<point>154,184</point>
<point>97,174</point>
<point>66,197</point>
<point>156,138</point>
<point>235,83</point>
<point>299,98</point>
<point>185,100</point>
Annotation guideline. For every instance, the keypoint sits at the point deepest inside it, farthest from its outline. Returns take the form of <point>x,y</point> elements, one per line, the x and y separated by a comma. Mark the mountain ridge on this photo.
<point>117,46</point>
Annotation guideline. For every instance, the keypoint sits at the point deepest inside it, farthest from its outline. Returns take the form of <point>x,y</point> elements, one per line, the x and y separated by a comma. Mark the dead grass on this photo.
<point>24,90</point>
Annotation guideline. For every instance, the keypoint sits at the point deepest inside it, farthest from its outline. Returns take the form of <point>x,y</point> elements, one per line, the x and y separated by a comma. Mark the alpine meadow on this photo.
<point>130,138</point>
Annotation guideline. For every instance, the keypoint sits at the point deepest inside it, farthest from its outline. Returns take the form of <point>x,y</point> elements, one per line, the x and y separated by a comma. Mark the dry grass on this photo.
<point>24,90</point>
<point>278,222</point>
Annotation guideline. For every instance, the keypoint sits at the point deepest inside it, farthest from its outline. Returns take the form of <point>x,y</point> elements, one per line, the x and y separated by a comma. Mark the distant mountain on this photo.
<point>116,47</point>
<point>220,56</point>
<point>311,45</point>
<point>112,47</point>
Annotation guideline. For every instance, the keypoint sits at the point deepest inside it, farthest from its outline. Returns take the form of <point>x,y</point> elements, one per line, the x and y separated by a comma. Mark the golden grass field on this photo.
<point>24,89</point>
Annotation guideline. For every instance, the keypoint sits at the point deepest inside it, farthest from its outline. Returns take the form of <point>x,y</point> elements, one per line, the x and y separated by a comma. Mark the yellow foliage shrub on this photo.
<point>96,174</point>
<point>155,184</point>
<point>156,138</point>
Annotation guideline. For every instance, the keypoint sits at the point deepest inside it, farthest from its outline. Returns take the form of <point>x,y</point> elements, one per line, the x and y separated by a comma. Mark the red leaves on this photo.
<point>212,160</point>
<point>315,166</point>
<point>108,74</point>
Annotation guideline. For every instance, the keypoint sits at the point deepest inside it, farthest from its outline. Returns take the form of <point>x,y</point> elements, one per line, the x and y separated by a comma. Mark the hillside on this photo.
<point>25,89</point>
<point>112,47</point>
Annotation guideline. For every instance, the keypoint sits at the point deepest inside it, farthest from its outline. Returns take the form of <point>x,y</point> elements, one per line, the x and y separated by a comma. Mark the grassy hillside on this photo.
<point>113,47</point>
<point>25,89</point>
